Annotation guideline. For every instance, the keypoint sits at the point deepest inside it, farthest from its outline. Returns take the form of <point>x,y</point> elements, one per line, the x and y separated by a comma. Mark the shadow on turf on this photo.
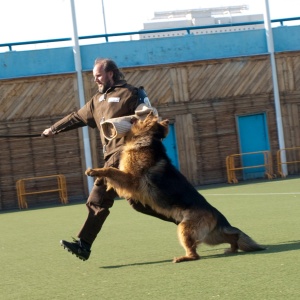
<point>283,247</point>
<point>169,261</point>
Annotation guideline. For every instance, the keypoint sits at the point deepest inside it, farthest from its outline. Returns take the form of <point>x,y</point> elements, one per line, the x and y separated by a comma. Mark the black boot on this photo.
<point>78,247</point>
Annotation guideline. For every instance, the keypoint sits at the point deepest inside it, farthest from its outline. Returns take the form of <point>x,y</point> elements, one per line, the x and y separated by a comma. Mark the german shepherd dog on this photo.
<point>146,174</point>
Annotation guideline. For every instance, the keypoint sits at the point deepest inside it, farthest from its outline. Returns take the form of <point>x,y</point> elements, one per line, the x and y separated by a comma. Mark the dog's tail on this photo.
<point>244,242</point>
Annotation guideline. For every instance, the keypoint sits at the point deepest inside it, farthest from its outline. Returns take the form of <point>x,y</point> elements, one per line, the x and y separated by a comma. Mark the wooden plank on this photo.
<point>186,147</point>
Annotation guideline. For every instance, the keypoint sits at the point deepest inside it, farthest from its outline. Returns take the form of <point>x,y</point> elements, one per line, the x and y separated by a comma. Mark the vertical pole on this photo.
<point>78,66</point>
<point>270,42</point>
<point>104,19</point>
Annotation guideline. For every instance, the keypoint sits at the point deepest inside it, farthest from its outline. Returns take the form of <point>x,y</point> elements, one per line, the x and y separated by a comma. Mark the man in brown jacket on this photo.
<point>115,98</point>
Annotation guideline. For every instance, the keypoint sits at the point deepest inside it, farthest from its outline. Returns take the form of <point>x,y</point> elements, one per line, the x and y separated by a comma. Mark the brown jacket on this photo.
<point>120,100</point>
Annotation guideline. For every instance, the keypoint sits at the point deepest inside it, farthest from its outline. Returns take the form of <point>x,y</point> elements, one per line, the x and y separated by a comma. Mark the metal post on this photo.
<point>78,66</point>
<point>104,20</point>
<point>270,42</point>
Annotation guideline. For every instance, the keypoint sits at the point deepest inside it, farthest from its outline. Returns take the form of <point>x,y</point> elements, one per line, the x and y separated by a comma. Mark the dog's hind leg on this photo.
<point>232,239</point>
<point>239,241</point>
<point>218,236</point>
<point>187,238</point>
<point>224,235</point>
<point>243,241</point>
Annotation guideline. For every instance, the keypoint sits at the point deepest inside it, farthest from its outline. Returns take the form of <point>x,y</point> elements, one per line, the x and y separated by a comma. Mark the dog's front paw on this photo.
<point>90,172</point>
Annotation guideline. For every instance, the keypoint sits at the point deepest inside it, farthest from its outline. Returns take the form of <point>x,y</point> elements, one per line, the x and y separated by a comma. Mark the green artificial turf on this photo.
<point>131,258</point>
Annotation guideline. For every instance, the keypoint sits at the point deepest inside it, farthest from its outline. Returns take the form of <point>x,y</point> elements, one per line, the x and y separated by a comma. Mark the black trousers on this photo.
<point>100,201</point>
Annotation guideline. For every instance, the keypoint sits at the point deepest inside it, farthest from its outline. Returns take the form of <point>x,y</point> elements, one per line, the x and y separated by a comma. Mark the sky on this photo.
<point>29,20</point>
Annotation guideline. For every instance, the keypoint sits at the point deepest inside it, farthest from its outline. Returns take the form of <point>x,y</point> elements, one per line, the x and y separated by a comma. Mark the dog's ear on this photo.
<point>163,128</point>
<point>165,122</point>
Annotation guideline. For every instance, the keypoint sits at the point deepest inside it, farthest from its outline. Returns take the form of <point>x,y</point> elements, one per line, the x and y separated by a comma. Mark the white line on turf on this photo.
<point>251,194</point>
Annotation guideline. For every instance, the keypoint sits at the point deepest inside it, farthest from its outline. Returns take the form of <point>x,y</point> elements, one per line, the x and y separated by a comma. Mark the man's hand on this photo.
<point>47,132</point>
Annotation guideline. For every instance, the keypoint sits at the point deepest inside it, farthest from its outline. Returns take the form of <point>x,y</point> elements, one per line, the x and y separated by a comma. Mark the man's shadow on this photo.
<point>275,248</point>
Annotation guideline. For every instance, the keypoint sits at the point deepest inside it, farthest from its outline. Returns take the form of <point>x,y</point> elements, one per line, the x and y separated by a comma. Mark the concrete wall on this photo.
<point>16,64</point>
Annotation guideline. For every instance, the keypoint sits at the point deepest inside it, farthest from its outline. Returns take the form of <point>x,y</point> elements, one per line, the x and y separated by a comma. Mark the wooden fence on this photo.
<point>201,99</point>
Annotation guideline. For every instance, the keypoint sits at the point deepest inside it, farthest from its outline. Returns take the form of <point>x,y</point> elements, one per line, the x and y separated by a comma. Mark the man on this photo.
<point>115,98</point>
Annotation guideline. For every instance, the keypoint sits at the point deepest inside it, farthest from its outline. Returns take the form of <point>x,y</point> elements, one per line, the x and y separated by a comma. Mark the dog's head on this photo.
<point>150,125</point>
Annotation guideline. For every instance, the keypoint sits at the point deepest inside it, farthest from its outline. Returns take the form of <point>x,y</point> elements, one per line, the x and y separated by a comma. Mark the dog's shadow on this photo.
<point>275,248</point>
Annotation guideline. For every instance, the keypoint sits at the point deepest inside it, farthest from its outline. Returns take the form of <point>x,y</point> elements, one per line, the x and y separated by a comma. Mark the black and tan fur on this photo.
<point>146,174</point>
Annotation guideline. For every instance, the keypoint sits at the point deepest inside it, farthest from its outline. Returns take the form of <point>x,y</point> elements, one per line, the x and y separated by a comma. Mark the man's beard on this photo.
<point>102,88</point>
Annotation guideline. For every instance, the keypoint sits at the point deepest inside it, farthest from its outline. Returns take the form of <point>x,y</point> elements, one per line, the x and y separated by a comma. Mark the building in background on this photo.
<point>202,17</point>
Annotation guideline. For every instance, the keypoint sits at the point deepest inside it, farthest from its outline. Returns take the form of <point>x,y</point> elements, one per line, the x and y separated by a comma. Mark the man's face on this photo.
<point>103,79</point>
